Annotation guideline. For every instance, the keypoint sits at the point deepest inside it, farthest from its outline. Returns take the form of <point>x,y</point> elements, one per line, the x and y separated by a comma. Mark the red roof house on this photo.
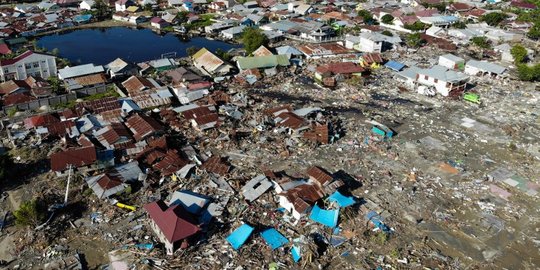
<point>173,225</point>
<point>76,157</point>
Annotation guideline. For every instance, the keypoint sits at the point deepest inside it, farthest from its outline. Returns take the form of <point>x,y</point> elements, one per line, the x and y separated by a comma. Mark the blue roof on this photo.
<point>273,238</point>
<point>295,251</point>
<point>342,201</point>
<point>239,236</point>
<point>82,18</point>
<point>397,66</point>
<point>325,217</point>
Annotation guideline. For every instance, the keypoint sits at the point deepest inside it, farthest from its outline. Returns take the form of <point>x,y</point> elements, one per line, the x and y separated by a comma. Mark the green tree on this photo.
<point>415,40</point>
<point>192,50</point>
<point>366,16</point>
<point>494,18</point>
<point>102,11</point>
<point>253,38</point>
<point>387,19</point>
<point>534,32</point>
<point>519,53</point>
<point>55,51</point>
<point>460,25</point>
<point>223,54</point>
<point>56,85</point>
<point>387,33</point>
<point>30,213</point>
<point>526,73</point>
<point>480,42</point>
<point>416,26</point>
<point>182,16</point>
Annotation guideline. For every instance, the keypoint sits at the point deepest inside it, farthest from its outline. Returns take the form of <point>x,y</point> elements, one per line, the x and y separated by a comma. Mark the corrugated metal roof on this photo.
<point>486,66</point>
<point>77,157</point>
<point>77,71</point>
<point>208,60</point>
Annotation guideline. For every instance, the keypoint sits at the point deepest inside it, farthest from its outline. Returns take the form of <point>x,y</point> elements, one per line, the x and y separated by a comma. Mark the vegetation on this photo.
<point>253,38</point>
<point>460,25</point>
<point>192,50</point>
<point>534,32</point>
<point>519,53</point>
<point>494,18</point>
<point>30,213</point>
<point>182,16</point>
<point>205,20</point>
<point>366,16</point>
<point>387,19</point>
<point>480,42</point>
<point>387,33</point>
<point>101,10</point>
<point>223,54</point>
<point>529,73</point>
<point>441,7</point>
<point>56,85</point>
<point>415,40</point>
<point>416,26</point>
<point>11,112</point>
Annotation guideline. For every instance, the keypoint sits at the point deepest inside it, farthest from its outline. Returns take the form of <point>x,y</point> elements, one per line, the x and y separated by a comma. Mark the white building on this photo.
<point>28,64</point>
<point>451,61</point>
<point>442,79</point>
<point>481,68</point>
<point>371,42</point>
<point>87,4</point>
<point>121,5</point>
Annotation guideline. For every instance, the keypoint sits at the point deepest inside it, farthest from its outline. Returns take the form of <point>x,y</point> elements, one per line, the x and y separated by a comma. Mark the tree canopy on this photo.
<point>494,18</point>
<point>480,42</point>
<point>366,16</point>
<point>387,19</point>
<point>415,40</point>
<point>416,26</point>
<point>253,38</point>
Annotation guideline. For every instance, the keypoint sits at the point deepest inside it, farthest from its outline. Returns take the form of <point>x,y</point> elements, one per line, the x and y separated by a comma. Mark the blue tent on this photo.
<point>239,236</point>
<point>325,217</point>
<point>341,200</point>
<point>393,65</point>
<point>273,238</point>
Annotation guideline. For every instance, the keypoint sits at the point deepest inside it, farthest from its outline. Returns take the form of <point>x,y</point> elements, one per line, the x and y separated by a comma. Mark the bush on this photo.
<point>192,50</point>
<point>416,26</point>
<point>519,53</point>
<point>480,42</point>
<point>494,18</point>
<point>29,214</point>
<point>387,19</point>
<point>387,33</point>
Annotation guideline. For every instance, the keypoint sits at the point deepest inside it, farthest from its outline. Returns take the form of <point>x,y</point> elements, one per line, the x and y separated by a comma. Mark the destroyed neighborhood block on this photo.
<point>170,163</point>
<point>273,238</point>
<point>76,157</point>
<point>318,133</point>
<point>239,236</point>
<point>173,225</point>
<point>216,165</point>
<point>256,187</point>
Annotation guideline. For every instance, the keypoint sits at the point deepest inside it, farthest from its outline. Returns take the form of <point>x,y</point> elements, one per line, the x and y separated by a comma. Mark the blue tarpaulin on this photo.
<point>325,217</point>
<point>295,251</point>
<point>273,238</point>
<point>239,236</point>
<point>82,18</point>
<point>342,201</point>
<point>397,66</point>
<point>377,221</point>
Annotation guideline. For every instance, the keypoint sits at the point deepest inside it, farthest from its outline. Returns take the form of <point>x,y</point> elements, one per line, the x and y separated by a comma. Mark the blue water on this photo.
<point>101,46</point>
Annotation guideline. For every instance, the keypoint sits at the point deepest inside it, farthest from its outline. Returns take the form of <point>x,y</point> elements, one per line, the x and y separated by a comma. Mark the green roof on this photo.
<point>269,61</point>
